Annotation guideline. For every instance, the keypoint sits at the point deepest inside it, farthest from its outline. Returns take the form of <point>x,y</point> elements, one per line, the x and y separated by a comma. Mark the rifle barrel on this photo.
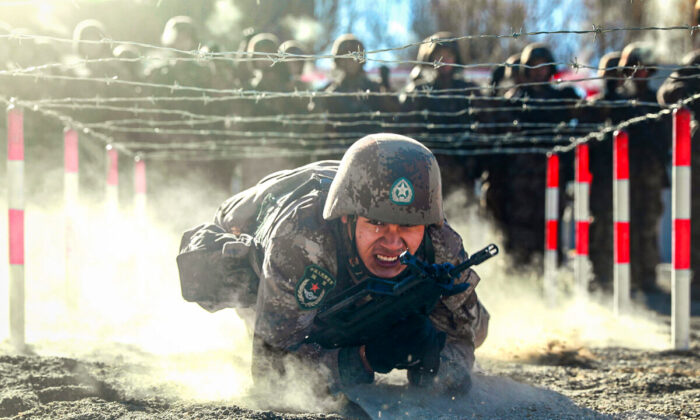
<point>476,259</point>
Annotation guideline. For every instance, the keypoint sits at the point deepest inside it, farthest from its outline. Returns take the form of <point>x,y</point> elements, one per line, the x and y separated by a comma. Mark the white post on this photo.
<point>551,229</point>
<point>112,192</point>
<point>582,270</point>
<point>15,180</point>
<point>140,189</point>
<point>680,210</point>
<point>621,221</point>
<point>70,197</point>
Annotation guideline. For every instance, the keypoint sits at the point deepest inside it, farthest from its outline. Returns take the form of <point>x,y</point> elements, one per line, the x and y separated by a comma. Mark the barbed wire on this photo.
<point>239,143</point>
<point>310,94</point>
<point>284,57</point>
<point>600,135</point>
<point>430,126</point>
<point>358,55</point>
<point>473,126</point>
<point>279,138</point>
<point>67,121</point>
<point>96,103</point>
<point>261,152</point>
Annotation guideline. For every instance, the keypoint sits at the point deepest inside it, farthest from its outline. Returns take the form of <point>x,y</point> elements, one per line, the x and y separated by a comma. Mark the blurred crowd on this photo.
<point>522,105</point>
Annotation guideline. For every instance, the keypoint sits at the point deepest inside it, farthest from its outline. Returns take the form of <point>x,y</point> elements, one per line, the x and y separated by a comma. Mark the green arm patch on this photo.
<point>313,286</point>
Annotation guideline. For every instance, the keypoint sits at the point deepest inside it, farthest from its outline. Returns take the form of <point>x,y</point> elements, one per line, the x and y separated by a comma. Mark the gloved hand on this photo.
<point>411,342</point>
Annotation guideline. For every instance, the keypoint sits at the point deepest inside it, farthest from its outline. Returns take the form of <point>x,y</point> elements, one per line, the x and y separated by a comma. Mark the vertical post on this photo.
<point>70,198</point>
<point>680,210</point>
<point>621,221</point>
<point>112,193</point>
<point>15,179</point>
<point>551,228</point>
<point>140,189</point>
<point>581,216</point>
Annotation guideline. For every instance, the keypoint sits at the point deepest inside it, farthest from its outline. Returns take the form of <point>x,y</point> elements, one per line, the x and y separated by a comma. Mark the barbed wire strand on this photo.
<point>360,55</point>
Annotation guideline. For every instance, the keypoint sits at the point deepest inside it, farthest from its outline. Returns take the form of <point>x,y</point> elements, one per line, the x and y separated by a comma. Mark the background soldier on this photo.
<point>648,156</point>
<point>681,84</point>
<point>350,77</point>
<point>446,85</point>
<point>601,167</point>
<point>515,193</point>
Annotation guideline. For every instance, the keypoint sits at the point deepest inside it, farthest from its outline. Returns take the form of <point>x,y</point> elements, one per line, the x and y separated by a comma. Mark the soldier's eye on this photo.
<point>375,222</point>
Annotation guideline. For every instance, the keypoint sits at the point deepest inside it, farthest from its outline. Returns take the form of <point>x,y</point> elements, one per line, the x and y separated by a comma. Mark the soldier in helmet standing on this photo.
<point>682,84</point>
<point>350,77</point>
<point>340,222</point>
<point>516,187</point>
<point>649,152</point>
<point>450,93</point>
<point>601,164</point>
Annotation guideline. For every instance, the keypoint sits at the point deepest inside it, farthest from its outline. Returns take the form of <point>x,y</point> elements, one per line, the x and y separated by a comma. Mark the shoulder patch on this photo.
<point>401,192</point>
<point>313,286</point>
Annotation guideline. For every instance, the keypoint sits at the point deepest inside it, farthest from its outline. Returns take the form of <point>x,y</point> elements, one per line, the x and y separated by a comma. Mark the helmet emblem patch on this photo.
<point>402,192</point>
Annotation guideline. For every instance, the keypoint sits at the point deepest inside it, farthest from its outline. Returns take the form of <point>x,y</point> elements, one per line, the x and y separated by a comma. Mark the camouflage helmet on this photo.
<point>608,65</point>
<point>512,67</point>
<point>533,52</point>
<point>292,47</point>
<point>689,64</point>
<point>345,44</point>
<point>262,43</point>
<point>390,178</point>
<point>178,26</point>
<point>639,55</point>
<point>433,43</point>
<point>87,30</point>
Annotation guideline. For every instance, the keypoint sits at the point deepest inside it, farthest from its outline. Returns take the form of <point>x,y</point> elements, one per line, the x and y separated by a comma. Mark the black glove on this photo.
<point>423,373</point>
<point>411,342</point>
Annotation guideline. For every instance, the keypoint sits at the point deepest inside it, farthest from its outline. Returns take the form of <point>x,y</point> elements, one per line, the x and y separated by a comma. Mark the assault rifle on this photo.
<point>373,306</point>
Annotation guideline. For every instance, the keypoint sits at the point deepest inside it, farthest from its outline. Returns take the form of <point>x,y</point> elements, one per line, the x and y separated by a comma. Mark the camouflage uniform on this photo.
<point>279,229</point>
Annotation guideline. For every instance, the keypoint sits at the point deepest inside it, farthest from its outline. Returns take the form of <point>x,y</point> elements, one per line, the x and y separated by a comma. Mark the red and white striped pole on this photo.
<point>140,189</point>
<point>15,189</point>
<point>621,221</point>
<point>112,192</point>
<point>70,198</point>
<point>680,210</point>
<point>581,216</point>
<point>551,228</point>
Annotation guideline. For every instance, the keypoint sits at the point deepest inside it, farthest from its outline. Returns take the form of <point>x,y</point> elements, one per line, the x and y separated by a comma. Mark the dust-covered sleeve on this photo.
<point>289,294</point>
<point>462,316</point>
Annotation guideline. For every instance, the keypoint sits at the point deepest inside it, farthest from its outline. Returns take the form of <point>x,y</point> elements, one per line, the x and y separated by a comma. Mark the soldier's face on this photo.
<point>446,56</point>
<point>539,74</point>
<point>380,244</point>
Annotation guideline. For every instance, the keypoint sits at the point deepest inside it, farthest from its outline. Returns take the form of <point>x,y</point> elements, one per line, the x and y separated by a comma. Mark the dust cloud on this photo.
<point>124,305</point>
<point>523,326</point>
<point>129,308</point>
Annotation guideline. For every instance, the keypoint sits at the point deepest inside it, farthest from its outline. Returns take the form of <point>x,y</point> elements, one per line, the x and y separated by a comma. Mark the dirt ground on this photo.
<point>568,383</point>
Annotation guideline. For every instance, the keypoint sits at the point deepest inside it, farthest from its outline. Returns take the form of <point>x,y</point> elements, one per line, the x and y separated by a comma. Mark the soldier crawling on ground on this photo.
<point>345,222</point>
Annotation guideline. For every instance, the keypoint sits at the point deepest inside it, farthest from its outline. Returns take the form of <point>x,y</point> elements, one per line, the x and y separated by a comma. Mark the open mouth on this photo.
<point>386,260</point>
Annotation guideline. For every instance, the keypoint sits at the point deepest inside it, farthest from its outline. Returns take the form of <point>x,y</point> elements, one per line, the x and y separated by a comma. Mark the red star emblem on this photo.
<point>314,287</point>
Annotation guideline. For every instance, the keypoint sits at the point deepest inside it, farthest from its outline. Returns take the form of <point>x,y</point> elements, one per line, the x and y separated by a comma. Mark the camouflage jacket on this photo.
<point>290,237</point>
